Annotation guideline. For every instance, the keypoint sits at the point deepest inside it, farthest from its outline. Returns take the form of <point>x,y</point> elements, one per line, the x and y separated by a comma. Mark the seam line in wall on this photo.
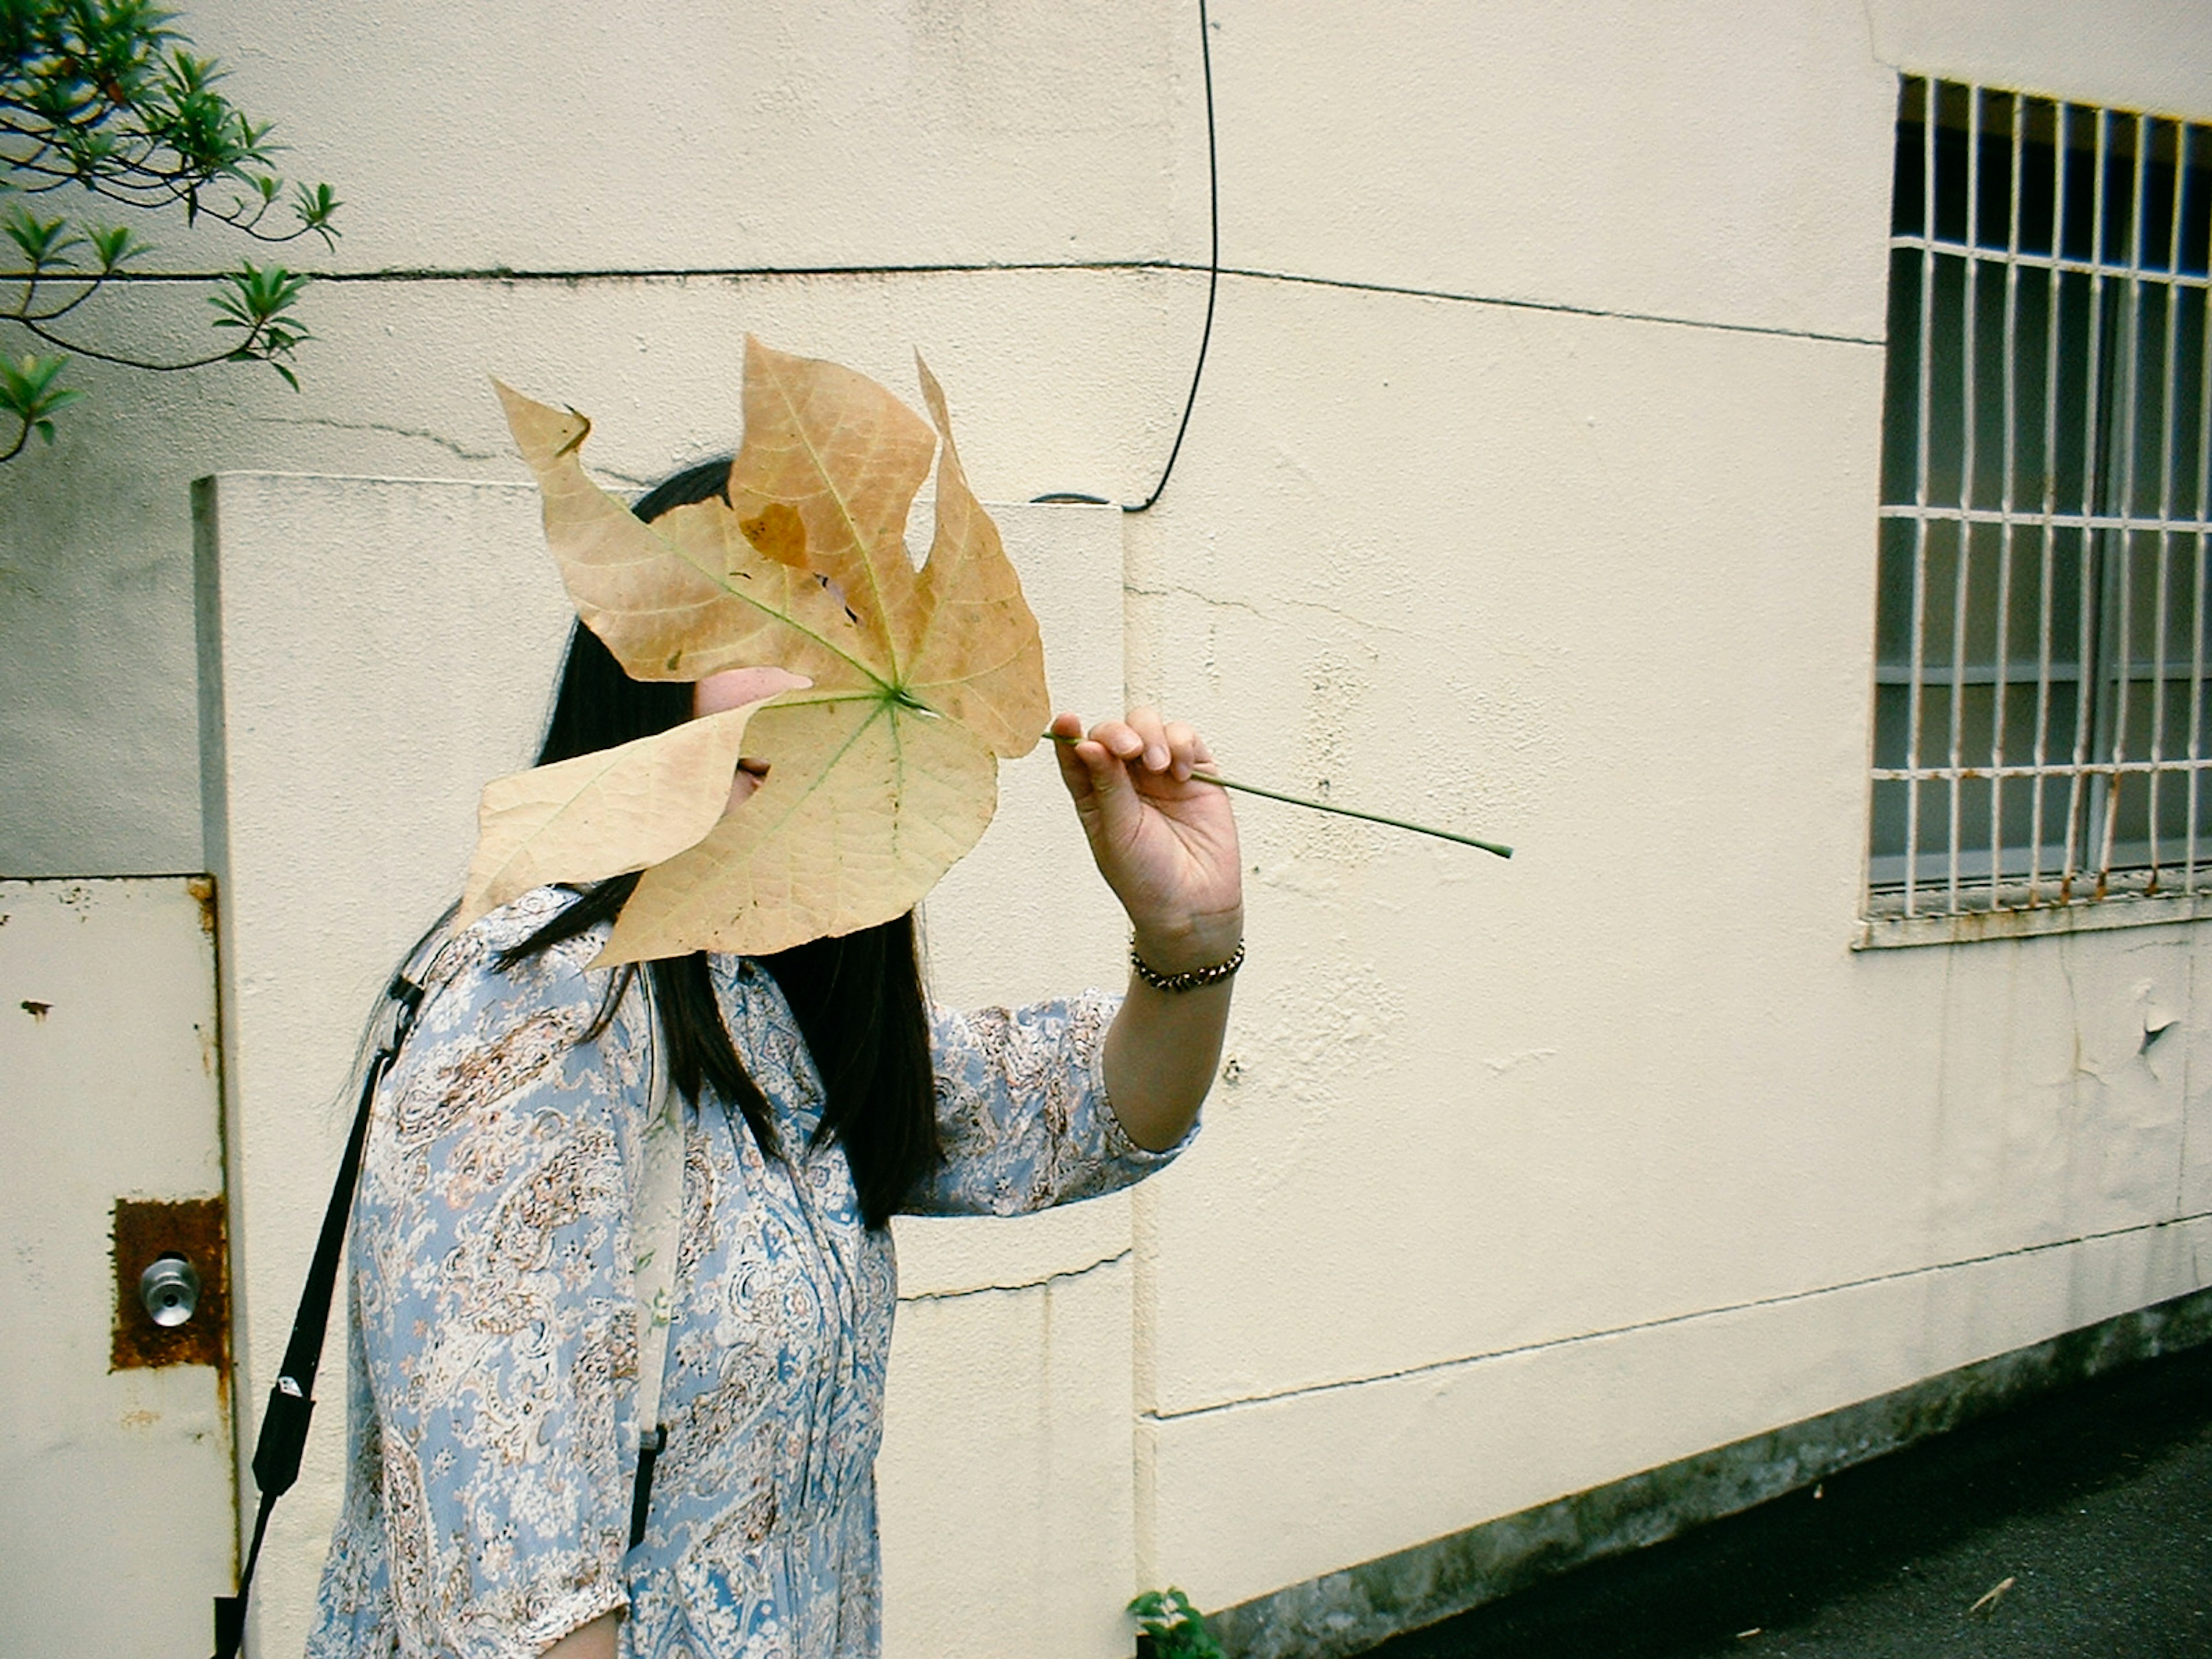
<point>665,273</point>
<point>1458,1361</point>
<point>678,273</point>
<point>1561,306</point>
<point>107,875</point>
<point>1123,1254</point>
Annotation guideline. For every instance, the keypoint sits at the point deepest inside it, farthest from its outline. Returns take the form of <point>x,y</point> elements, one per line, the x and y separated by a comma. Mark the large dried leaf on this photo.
<point>607,813</point>
<point>864,806</point>
<point>975,652</point>
<point>885,772</point>
<point>684,598</point>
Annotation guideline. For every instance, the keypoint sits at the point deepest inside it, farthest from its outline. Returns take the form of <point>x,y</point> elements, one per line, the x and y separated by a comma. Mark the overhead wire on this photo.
<point>1212,285</point>
<point>1212,261</point>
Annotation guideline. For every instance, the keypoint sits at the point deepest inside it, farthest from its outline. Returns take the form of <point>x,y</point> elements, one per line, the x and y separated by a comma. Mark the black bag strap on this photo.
<point>283,1434</point>
<point>656,1243</point>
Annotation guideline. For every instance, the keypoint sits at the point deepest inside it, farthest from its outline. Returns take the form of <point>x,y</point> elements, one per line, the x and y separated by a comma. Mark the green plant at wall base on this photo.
<point>1177,1630</point>
<point>105,98</point>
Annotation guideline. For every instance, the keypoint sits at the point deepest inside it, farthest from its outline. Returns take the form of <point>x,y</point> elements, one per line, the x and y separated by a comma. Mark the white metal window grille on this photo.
<point>2043,730</point>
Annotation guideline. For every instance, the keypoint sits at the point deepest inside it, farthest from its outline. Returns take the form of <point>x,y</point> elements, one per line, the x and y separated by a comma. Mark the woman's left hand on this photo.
<point>1165,842</point>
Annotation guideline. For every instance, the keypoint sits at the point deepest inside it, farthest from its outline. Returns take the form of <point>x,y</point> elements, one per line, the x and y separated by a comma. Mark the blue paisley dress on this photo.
<point>494,1341</point>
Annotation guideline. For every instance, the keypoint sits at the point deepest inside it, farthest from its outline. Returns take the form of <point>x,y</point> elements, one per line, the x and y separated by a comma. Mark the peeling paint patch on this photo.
<point>1336,687</point>
<point>1514,1062</point>
<point>38,1010</point>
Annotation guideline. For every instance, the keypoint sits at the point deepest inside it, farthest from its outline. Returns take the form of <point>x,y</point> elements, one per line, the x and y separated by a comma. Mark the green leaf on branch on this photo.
<point>315,207</point>
<point>109,97</point>
<point>43,242</point>
<point>258,302</point>
<point>30,395</point>
<point>117,245</point>
<point>256,298</point>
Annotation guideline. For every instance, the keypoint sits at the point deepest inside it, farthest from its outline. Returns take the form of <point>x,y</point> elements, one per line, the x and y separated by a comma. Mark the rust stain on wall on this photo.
<point>202,888</point>
<point>145,1230</point>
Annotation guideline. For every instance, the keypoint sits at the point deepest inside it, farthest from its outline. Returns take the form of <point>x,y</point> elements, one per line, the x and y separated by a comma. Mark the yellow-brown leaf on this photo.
<point>685,596</point>
<point>885,773</point>
<point>605,813</point>
<point>865,805</point>
<point>976,655</point>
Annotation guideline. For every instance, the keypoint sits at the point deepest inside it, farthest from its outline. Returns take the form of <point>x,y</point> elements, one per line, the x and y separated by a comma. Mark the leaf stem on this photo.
<point>1340,811</point>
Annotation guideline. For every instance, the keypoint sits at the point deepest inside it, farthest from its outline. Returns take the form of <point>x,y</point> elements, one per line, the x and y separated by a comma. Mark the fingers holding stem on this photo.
<point>1066,739</point>
<point>1165,842</point>
<point>1141,740</point>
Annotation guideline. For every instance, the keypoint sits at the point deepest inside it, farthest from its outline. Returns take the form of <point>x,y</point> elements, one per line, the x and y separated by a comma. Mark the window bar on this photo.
<point>1914,685</point>
<point>2049,505</point>
<point>2031,261</point>
<point>2145,521</point>
<point>2162,610</point>
<point>2077,801</point>
<point>1962,581</point>
<point>2101,331</point>
<point>2184,145</point>
<point>2127,385</point>
<point>2009,467</point>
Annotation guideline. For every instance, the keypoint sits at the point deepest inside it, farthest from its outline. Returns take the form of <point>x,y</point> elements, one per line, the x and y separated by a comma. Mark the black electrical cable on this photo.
<point>1212,286</point>
<point>1212,261</point>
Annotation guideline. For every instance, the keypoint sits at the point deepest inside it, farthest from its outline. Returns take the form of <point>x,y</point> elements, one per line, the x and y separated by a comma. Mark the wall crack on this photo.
<point>443,442</point>
<point>1216,602</point>
<point>1061,1277</point>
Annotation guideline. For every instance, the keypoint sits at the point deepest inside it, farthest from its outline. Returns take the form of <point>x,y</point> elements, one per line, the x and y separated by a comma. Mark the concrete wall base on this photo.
<point>1346,1613</point>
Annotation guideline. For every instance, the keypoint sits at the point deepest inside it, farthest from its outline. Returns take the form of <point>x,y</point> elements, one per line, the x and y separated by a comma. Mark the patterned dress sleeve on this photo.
<point>1022,1112</point>
<point>492,1273</point>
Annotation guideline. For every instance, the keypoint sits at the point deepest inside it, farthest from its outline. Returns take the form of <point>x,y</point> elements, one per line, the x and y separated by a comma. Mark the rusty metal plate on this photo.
<point>146,1230</point>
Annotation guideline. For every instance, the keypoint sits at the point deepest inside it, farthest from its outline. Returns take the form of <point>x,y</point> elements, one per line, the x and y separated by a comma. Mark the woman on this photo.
<point>495,1336</point>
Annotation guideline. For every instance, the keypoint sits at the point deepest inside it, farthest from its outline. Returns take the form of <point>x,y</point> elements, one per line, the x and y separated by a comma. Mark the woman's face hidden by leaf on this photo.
<point>882,772</point>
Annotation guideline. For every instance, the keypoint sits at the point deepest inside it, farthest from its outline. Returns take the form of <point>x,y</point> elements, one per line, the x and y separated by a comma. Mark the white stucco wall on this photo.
<point>1531,488</point>
<point>1549,1174</point>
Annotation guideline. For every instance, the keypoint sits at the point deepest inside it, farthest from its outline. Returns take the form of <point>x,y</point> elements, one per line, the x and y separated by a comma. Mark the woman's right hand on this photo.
<point>1165,841</point>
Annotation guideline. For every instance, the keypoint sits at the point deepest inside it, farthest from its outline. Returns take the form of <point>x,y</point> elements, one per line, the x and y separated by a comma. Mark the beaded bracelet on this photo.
<point>1191,978</point>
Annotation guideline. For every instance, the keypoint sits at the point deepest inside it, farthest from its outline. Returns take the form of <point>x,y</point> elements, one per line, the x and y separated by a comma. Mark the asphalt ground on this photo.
<point>2077,1526</point>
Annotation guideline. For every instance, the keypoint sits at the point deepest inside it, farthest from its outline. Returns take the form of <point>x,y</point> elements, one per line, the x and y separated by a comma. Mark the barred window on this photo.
<point>2043,717</point>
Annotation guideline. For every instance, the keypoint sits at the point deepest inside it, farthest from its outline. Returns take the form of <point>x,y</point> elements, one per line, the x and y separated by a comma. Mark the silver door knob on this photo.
<point>170,1289</point>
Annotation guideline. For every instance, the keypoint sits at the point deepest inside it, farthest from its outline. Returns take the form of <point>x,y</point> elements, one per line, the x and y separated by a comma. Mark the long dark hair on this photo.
<point>858,999</point>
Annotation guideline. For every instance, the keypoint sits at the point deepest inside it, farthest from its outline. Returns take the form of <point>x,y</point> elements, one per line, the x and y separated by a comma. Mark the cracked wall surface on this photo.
<point>1592,574</point>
